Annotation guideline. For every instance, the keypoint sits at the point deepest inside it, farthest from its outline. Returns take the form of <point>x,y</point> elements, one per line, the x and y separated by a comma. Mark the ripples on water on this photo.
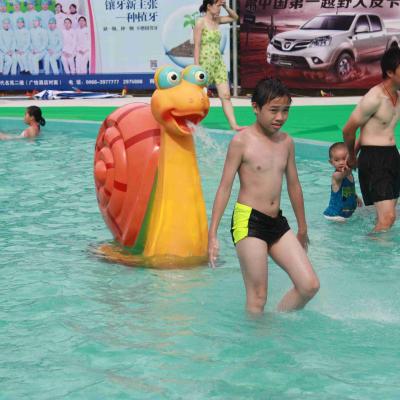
<point>72,326</point>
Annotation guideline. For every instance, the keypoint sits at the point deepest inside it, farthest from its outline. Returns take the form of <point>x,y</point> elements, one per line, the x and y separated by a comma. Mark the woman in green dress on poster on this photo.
<point>207,38</point>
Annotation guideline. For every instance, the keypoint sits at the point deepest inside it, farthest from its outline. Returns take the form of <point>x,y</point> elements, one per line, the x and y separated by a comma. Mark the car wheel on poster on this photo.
<point>344,67</point>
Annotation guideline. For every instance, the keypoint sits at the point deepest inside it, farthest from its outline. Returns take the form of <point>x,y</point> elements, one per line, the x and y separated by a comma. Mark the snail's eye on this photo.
<point>196,75</point>
<point>167,77</point>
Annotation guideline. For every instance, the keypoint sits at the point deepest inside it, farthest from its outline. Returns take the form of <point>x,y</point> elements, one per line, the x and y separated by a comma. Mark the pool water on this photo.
<point>75,327</point>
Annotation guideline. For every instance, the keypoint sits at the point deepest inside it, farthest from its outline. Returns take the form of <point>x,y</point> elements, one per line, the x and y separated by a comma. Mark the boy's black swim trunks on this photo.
<point>248,222</point>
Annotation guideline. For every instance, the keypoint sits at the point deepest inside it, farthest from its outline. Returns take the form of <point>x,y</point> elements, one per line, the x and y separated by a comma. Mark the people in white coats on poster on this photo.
<point>69,47</point>
<point>30,14</point>
<point>16,13</point>
<point>60,15</point>
<point>82,47</point>
<point>39,39</point>
<point>74,16</point>
<point>8,61</point>
<point>45,13</point>
<point>65,4</point>
<point>22,44</point>
<point>3,11</point>
<point>54,48</point>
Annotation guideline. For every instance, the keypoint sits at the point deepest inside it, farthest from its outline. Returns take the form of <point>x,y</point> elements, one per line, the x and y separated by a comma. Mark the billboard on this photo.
<point>316,44</point>
<point>94,44</point>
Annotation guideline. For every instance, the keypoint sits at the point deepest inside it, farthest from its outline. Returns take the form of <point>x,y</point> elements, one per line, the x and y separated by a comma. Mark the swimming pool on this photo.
<point>75,327</point>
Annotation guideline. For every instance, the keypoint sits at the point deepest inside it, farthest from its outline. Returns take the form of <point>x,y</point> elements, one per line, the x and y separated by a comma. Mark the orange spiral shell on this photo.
<point>125,166</point>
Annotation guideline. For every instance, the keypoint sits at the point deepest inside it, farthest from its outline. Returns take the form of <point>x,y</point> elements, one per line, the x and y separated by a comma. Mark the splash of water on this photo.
<point>210,150</point>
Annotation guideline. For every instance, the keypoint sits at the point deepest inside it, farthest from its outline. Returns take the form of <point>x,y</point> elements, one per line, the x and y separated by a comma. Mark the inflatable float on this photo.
<point>146,174</point>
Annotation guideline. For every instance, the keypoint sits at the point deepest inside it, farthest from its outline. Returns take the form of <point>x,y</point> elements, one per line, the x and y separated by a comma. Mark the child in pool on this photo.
<point>262,155</point>
<point>344,199</point>
<point>33,118</point>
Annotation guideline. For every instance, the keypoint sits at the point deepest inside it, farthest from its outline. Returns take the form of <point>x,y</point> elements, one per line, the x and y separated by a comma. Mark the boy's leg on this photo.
<point>385,214</point>
<point>288,253</point>
<point>253,255</point>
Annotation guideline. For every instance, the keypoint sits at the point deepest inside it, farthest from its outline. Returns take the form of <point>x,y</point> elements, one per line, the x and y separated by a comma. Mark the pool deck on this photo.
<point>311,118</point>
<point>118,102</point>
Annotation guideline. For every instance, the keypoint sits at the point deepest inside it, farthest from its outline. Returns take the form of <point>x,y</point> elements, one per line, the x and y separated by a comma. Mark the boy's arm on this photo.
<point>232,163</point>
<point>296,197</point>
<point>365,109</point>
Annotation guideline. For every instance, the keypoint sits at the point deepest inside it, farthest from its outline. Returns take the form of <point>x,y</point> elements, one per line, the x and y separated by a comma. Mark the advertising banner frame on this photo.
<point>316,44</point>
<point>122,45</point>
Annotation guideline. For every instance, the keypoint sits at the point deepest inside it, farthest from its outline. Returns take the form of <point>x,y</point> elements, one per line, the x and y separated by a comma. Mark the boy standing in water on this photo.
<point>376,115</point>
<point>262,154</point>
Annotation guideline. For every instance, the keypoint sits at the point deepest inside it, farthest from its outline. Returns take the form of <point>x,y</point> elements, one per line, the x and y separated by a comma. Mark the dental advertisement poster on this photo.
<point>95,44</point>
<point>316,44</point>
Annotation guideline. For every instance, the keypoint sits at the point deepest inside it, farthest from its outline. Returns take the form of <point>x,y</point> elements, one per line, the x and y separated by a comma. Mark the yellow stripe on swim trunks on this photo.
<point>240,222</point>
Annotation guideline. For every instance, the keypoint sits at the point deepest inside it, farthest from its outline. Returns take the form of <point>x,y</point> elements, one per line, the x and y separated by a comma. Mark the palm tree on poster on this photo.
<point>190,20</point>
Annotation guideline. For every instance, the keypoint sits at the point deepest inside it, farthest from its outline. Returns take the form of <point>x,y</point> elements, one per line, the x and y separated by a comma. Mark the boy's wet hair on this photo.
<point>335,146</point>
<point>269,89</point>
<point>390,61</point>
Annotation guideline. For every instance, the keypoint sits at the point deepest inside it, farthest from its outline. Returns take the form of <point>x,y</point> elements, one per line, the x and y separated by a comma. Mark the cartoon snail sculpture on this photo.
<point>146,174</point>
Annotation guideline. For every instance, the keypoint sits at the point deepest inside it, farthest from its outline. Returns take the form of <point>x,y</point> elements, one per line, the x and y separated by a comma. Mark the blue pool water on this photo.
<point>75,327</point>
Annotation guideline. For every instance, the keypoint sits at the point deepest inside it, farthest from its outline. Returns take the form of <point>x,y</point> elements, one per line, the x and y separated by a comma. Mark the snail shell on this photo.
<point>125,167</point>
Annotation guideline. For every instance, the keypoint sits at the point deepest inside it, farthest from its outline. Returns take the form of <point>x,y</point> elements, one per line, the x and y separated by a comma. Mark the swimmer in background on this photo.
<point>33,118</point>
<point>344,199</point>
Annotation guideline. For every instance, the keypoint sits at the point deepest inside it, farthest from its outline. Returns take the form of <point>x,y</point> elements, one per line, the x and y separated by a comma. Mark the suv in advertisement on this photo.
<point>332,41</point>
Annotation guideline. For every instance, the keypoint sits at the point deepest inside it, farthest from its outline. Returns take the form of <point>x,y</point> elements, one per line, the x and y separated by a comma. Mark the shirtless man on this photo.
<point>376,115</point>
<point>262,154</point>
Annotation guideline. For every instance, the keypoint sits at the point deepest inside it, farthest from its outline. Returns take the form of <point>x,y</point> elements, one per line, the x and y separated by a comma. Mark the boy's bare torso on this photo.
<point>379,128</point>
<point>264,161</point>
